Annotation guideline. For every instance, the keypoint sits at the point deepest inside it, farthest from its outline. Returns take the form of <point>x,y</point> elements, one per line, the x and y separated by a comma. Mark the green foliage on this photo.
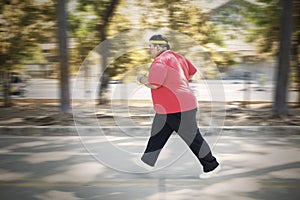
<point>82,23</point>
<point>128,64</point>
<point>192,22</point>
<point>85,24</point>
<point>265,21</point>
<point>186,18</point>
<point>223,59</point>
<point>82,28</point>
<point>24,25</point>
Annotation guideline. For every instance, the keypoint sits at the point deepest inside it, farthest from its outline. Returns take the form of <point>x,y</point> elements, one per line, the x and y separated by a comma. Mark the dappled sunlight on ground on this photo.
<point>254,166</point>
<point>82,172</point>
<point>53,194</point>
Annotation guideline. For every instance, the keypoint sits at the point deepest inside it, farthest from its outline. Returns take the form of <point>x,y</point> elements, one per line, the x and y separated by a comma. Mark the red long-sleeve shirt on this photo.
<point>171,71</point>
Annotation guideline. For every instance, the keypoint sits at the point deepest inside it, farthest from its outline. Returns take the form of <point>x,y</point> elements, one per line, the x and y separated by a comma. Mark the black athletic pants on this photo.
<point>184,123</point>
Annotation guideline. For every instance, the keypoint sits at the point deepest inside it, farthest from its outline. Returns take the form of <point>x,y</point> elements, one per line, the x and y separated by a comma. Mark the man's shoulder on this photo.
<point>168,54</point>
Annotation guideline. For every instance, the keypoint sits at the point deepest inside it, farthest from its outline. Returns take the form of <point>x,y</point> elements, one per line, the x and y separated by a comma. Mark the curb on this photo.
<point>131,131</point>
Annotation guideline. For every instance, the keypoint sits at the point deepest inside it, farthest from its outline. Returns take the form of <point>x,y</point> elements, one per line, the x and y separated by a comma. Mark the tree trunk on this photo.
<point>296,44</point>
<point>63,57</point>
<point>281,92</point>
<point>6,89</point>
<point>297,60</point>
<point>104,79</point>
<point>296,63</point>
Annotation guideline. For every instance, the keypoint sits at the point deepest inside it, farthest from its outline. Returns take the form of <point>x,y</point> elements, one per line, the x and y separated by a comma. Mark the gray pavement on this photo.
<point>257,163</point>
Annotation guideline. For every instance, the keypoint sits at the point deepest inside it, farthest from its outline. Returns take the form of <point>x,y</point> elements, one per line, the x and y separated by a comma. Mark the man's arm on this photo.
<point>144,80</point>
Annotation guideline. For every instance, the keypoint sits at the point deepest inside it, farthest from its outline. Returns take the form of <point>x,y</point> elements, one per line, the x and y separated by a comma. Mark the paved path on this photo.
<point>254,166</point>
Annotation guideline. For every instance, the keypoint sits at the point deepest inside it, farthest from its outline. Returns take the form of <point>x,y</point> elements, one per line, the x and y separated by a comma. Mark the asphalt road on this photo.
<point>258,166</point>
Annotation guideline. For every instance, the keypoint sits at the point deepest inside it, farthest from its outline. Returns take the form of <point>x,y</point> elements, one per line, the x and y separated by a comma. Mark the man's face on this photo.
<point>153,50</point>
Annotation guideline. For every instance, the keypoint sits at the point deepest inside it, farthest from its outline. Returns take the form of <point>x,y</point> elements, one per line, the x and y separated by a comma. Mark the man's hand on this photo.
<point>142,79</point>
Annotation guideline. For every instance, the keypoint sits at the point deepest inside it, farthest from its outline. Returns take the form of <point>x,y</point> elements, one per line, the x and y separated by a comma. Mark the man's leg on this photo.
<point>160,133</point>
<point>202,150</point>
<point>190,133</point>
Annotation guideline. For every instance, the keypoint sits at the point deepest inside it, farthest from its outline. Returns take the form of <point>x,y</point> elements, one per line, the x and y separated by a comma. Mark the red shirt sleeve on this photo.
<point>157,74</point>
<point>192,68</point>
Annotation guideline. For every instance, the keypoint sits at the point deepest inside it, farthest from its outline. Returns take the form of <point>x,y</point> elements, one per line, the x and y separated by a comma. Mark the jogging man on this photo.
<point>175,105</point>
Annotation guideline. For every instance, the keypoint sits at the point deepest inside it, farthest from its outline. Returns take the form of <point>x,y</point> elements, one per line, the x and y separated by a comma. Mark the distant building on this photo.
<point>228,17</point>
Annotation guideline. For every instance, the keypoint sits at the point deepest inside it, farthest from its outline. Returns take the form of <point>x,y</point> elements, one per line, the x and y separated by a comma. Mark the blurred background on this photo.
<point>252,45</point>
<point>68,68</point>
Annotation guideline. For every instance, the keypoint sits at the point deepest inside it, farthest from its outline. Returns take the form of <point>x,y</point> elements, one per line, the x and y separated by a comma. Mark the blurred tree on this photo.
<point>126,62</point>
<point>127,66</point>
<point>230,17</point>
<point>98,13</point>
<point>274,28</point>
<point>296,45</point>
<point>281,92</point>
<point>24,25</point>
<point>63,56</point>
<point>82,28</point>
<point>188,19</point>
<point>266,28</point>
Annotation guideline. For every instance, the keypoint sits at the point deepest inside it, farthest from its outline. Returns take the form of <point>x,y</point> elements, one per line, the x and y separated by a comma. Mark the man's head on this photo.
<point>158,44</point>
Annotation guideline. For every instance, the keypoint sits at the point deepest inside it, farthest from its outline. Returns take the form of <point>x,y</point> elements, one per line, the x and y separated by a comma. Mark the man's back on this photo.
<point>171,72</point>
